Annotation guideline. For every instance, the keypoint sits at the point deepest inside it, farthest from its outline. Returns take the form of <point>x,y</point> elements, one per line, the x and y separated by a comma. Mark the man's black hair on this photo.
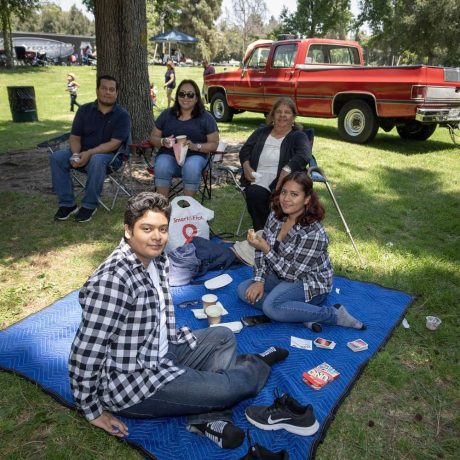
<point>137,206</point>
<point>106,77</point>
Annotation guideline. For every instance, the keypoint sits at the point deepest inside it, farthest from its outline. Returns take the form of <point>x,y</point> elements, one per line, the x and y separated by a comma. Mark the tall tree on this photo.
<point>318,18</point>
<point>8,8</point>
<point>197,18</point>
<point>121,37</point>
<point>249,17</point>
<point>425,30</point>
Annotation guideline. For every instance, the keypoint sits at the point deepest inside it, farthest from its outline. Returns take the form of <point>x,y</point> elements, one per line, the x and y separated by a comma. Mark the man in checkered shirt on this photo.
<point>127,357</point>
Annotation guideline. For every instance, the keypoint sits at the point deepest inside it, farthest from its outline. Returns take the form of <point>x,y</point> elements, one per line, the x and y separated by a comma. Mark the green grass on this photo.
<point>401,202</point>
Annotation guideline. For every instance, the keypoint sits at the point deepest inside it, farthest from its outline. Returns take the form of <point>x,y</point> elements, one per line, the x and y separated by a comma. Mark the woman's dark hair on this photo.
<point>198,108</point>
<point>137,206</point>
<point>314,211</point>
<point>287,101</point>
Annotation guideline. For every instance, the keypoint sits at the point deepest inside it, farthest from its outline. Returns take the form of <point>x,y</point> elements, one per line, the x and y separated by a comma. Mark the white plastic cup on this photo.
<point>208,300</point>
<point>214,314</point>
<point>181,139</point>
<point>432,322</point>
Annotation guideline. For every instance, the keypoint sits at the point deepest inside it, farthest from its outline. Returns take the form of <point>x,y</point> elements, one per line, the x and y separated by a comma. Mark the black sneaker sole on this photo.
<point>68,215</point>
<point>300,430</point>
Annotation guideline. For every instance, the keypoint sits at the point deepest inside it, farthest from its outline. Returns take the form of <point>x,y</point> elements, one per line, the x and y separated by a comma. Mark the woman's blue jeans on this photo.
<point>166,168</point>
<point>96,169</point>
<point>215,379</point>
<point>284,301</point>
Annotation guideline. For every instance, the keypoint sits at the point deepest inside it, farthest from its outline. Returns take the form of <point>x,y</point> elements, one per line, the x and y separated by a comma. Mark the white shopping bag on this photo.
<point>187,222</point>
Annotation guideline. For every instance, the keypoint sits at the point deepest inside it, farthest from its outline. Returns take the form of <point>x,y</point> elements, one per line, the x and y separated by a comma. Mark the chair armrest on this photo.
<point>51,143</point>
<point>317,174</point>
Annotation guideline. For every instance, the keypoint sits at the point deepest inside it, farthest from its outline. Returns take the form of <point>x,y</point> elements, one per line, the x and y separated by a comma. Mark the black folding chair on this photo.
<point>316,174</point>
<point>177,186</point>
<point>115,173</point>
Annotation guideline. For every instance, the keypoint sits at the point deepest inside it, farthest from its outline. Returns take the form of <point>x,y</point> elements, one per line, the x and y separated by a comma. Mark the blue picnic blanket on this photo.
<point>38,347</point>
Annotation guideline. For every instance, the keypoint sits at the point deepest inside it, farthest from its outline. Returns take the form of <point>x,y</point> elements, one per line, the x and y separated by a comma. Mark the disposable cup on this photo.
<point>432,322</point>
<point>208,300</point>
<point>214,314</point>
<point>181,139</point>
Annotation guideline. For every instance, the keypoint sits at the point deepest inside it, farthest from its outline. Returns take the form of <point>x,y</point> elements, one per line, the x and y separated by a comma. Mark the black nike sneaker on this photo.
<point>285,413</point>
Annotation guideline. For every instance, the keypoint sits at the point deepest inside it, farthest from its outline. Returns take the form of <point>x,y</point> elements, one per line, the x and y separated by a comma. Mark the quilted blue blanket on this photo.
<point>38,347</point>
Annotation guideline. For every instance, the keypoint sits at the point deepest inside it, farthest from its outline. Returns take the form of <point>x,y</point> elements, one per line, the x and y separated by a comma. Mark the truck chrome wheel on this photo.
<point>357,122</point>
<point>220,109</point>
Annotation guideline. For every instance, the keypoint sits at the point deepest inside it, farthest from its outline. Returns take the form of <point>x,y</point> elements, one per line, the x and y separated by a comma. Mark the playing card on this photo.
<point>324,343</point>
<point>358,345</point>
<point>305,344</point>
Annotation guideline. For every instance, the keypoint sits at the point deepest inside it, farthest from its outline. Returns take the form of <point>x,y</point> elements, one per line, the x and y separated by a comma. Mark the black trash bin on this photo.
<point>22,103</point>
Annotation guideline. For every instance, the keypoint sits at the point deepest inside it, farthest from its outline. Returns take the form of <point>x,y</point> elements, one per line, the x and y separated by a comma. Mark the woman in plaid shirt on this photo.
<point>292,271</point>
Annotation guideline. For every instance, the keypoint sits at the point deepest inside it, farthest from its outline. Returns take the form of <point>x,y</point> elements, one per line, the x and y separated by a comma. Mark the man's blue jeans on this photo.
<point>166,168</point>
<point>215,379</point>
<point>284,301</point>
<point>96,170</point>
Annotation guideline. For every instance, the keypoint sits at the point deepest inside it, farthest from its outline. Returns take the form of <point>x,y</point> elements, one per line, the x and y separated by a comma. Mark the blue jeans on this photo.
<point>284,301</point>
<point>215,379</point>
<point>96,170</point>
<point>166,168</point>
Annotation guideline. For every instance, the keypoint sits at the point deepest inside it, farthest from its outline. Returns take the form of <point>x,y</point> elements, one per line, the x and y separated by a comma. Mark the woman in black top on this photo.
<point>271,153</point>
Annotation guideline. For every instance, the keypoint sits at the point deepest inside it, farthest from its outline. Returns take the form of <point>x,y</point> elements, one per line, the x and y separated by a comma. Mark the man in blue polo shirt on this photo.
<point>98,130</point>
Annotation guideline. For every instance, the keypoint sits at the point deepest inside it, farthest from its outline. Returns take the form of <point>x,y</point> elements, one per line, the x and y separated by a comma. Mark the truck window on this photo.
<point>332,54</point>
<point>258,58</point>
<point>284,56</point>
<point>316,55</point>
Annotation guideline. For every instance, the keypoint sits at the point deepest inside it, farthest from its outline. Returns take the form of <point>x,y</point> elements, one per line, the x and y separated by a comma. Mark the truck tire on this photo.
<point>416,131</point>
<point>220,109</point>
<point>357,122</point>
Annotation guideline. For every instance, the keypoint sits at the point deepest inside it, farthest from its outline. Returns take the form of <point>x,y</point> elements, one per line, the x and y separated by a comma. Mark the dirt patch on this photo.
<point>28,171</point>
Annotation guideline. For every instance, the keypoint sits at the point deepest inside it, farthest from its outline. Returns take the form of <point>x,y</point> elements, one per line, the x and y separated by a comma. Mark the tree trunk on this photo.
<point>6,31</point>
<point>121,38</point>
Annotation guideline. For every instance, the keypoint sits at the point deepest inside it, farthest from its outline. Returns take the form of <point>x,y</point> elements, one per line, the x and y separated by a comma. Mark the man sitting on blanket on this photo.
<point>127,357</point>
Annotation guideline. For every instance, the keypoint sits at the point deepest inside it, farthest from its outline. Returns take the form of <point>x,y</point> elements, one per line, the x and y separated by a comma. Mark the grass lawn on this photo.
<point>402,204</point>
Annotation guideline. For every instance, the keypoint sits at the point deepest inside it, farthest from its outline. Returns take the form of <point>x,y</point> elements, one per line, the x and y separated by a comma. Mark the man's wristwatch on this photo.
<point>198,147</point>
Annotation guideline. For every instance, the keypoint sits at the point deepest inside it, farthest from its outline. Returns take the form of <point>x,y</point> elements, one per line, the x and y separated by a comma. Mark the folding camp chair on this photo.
<point>115,173</point>
<point>316,174</point>
<point>205,190</point>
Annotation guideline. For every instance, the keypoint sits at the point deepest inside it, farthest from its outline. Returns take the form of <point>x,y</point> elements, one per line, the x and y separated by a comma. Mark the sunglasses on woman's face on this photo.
<point>188,94</point>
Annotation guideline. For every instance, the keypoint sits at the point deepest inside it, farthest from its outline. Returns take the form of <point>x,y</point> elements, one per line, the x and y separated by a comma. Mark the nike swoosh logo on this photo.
<point>271,421</point>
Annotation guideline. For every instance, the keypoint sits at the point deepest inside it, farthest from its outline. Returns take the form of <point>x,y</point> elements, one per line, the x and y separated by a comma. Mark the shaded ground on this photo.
<point>28,171</point>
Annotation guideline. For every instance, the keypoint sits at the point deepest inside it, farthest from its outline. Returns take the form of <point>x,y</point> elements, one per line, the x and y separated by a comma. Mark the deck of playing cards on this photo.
<point>357,345</point>
<point>320,376</point>
<point>324,343</point>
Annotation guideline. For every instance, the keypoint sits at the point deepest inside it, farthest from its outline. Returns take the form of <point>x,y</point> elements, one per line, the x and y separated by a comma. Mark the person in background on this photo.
<point>98,130</point>
<point>72,87</point>
<point>153,94</point>
<point>270,154</point>
<point>128,359</point>
<point>208,68</point>
<point>292,272</point>
<point>187,117</point>
<point>170,81</point>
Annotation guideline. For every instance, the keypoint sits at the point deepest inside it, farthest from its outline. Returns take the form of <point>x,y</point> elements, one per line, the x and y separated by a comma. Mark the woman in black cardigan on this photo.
<point>270,154</point>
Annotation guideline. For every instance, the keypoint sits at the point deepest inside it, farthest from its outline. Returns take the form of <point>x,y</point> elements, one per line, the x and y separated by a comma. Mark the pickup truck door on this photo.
<point>249,91</point>
<point>280,78</point>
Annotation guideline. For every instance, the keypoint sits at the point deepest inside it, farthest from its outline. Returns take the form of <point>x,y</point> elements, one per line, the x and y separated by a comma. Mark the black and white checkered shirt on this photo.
<point>114,361</point>
<point>302,255</point>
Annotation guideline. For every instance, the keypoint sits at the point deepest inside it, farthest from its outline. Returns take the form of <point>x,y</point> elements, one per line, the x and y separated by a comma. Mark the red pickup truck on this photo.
<point>327,79</point>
